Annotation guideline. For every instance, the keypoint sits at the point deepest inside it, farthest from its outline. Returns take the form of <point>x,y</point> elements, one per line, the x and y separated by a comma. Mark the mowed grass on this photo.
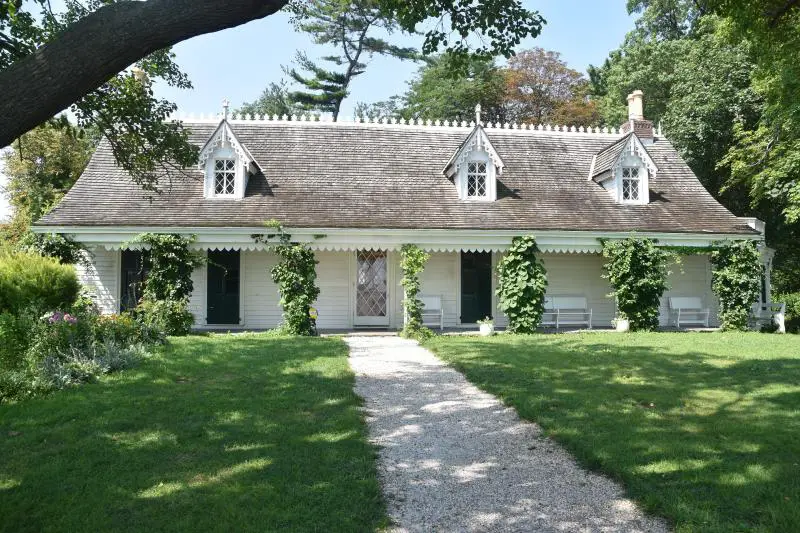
<point>220,433</point>
<point>702,428</point>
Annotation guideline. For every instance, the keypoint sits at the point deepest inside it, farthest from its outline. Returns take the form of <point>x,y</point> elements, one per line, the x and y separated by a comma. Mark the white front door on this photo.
<point>371,289</point>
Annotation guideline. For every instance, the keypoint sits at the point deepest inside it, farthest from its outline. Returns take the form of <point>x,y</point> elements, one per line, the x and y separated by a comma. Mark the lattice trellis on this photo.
<point>371,284</point>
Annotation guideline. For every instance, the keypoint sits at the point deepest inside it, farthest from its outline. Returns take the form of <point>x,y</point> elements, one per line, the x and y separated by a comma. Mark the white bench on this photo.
<point>432,311</point>
<point>768,313</point>
<point>566,311</point>
<point>687,310</point>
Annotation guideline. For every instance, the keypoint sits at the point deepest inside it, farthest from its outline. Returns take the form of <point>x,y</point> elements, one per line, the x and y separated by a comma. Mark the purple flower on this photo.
<point>70,319</point>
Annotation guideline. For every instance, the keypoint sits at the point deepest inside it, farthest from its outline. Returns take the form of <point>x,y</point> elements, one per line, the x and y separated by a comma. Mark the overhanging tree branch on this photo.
<point>103,43</point>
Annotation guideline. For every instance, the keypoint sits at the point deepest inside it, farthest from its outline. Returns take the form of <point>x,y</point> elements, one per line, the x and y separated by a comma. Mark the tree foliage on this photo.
<point>103,37</point>
<point>542,89</point>
<point>123,109</point>
<point>274,100</point>
<point>736,280</point>
<point>296,277</point>
<point>412,262</point>
<point>41,167</point>
<point>723,78</point>
<point>448,88</point>
<point>352,27</point>
<point>536,86</point>
<point>637,271</point>
<point>522,283</point>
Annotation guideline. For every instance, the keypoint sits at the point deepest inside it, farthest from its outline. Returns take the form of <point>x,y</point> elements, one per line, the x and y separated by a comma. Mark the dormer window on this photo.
<point>224,176</point>
<point>476,180</point>
<point>631,184</point>
<point>475,168</point>
<point>625,169</point>
<point>227,165</point>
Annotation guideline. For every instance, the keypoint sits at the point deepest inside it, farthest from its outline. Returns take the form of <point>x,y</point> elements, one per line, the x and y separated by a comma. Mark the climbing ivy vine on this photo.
<point>736,280</point>
<point>637,271</point>
<point>170,263</point>
<point>522,282</point>
<point>412,261</point>
<point>296,278</point>
<point>165,299</point>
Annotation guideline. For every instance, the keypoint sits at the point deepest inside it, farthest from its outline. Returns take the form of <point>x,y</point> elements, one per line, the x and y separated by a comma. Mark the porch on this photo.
<point>360,289</point>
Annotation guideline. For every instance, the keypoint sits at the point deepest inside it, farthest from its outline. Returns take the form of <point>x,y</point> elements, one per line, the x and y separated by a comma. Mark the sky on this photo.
<point>238,63</point>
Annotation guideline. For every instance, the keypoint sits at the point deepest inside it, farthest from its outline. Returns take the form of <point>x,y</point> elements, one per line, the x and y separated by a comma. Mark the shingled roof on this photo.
<point>325,175</point>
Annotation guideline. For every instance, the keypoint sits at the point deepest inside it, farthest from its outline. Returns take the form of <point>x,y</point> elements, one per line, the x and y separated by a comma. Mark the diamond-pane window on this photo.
<point>224,176</point>
<point>476,179</point>
<point>371,294</point>
<point>630,184</point>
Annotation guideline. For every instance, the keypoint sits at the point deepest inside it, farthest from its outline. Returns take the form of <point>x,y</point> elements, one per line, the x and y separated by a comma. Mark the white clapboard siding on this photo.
<point>581,275</point>
<point>197,300</point>
<point>571,275</point>
<point>101,278</point>
<point>439,279</point>
<point>260,297</point>
<point>334,281</point>
<point>692,277</point>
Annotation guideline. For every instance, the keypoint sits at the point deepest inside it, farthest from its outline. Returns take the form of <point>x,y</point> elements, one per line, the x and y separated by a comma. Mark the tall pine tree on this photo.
<point>348,25</point>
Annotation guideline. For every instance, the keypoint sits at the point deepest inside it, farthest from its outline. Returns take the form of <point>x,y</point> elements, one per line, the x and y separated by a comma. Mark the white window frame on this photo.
<point>462,177</point>
<point>631,161</point>
<point>210,189</point>
<point>477,175</point>
<point>637,179</point>
<point>227,174</point>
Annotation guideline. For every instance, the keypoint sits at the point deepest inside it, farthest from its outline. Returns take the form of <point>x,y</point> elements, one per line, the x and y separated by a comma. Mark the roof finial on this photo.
<point>478,114</point>
<point>225,105</point>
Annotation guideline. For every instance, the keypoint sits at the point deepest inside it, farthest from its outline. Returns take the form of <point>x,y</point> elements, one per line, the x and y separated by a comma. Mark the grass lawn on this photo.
<point>702,428</point>
<point>219,433</point>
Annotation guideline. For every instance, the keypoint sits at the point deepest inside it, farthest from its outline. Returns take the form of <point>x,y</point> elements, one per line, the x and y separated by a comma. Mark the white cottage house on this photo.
<point>357,191</point>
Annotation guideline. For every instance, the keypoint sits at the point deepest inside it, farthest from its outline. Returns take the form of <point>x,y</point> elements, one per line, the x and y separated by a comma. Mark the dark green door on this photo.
<point>223,287</point>
<point>476,286</point>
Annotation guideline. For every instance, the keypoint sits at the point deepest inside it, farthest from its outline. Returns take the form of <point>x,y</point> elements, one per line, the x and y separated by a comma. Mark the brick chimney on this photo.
<point>636,122</point>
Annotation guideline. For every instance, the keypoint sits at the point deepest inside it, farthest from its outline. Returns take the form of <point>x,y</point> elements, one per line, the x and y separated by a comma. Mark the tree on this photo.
<point>447,88</point>
<point>274,100</point>
<point>350,26</point>
<point>724,79</point>
<point>540,88</point>
<point>41,167</point>
<point>39,79</point>
<point>763,155</point>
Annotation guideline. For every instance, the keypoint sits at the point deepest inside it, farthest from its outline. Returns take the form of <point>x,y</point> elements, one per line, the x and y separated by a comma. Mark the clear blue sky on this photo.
<point>238,63</point>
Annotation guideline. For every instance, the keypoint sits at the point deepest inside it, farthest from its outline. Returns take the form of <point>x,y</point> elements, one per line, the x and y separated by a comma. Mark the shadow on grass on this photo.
<point>700,428</point>
<point>224,433</point>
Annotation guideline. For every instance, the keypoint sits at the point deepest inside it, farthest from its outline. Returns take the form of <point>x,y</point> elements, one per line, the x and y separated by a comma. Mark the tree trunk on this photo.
<point>89,52</point>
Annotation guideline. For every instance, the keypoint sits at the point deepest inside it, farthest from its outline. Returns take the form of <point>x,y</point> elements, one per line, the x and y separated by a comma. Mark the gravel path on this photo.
<point>453,458</point>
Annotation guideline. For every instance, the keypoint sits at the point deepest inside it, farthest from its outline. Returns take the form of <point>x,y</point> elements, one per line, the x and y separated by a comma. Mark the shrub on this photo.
<point>35,282</point>
<point>41,353</point>
<point>637,271</point>
<point>172,317</point>
<point>522,282</point>
<point>125,328</point>
<point>412,261</point>
<point>736,280</point>
<point>15,337</point>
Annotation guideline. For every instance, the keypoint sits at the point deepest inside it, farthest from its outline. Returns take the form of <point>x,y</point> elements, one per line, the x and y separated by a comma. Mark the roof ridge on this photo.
<point>440,125</point>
